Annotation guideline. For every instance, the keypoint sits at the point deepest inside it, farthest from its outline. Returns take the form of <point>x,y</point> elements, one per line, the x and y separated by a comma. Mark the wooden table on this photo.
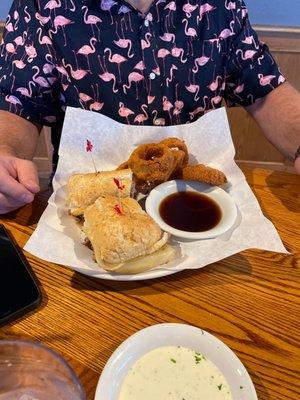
<point>250,301</point>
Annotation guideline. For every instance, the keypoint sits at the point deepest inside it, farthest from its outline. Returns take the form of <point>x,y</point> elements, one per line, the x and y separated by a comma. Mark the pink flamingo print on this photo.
<point>250,40</point>
<point>107,76</point>
<point>106,5</point>
<point>173,68</point>
<point>31,52</point>
<point>266,80</point>
<point>163,53</point>
<point>141,118</point>
<point>213,86</point>
<point>140,66</point>
<point>189,9</point>
<point>248,55</point>
<point>178,103</point>
<point>167,106</point>
<point>91,20</point>
<point>62,22</point>
<point>192,88</point>
<point>41,81</point>
<point>133,77</point>
<point>13,100</point>
<point>10,50</point>
<point>145,42</point>
<point>158,121</point>
<point>205,9</point>
<point>199,110</point>
<point>77,74</point>
<point>43,20</point>
<point>83,98</point>
<point>171,7</point>
<point>115,58</point>
<point>20,40</point>
<point>124,112</point>
<point>126,10</point>
<point>156,6</point>
<point>9,25</point>
<point>239,89</point>
<point>48,68</point>
<point>190,32</point>
<point>24,91</point>
<point>150,99</point>
<point>18,64</point>
<point>86,50</point>
<point>200,62</point>
<point>230,6</point>
<point>73,8</point>
<point>216,100</point>
<point>96,105</point>
<point>123,43</point>
<point>225,33</point>
<point>178,52</point>
<point>52,5</point>
<point>168,37</point>
<point>44,40</point>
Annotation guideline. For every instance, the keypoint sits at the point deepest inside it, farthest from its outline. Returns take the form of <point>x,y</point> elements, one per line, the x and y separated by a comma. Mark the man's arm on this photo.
<point>278,114</point>
<point>18,175</point>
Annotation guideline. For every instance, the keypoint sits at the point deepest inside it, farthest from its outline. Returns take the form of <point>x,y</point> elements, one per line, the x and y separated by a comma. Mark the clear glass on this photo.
<point>31,371</point>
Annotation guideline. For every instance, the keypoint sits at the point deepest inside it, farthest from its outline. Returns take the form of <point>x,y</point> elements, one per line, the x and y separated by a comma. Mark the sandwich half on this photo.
<point>125,239</point>
<point>84,189</point>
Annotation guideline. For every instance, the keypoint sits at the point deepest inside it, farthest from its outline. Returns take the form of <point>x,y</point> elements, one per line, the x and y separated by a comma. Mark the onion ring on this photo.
<point>152,162</point>
<point>175,145</point>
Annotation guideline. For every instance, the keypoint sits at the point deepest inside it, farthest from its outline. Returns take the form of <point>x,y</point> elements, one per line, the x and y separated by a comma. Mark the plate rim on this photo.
<point>190,329</point>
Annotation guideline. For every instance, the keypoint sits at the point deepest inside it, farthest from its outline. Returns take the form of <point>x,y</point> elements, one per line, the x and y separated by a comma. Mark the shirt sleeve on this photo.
<point>251,70</point>
<point>29,83</point>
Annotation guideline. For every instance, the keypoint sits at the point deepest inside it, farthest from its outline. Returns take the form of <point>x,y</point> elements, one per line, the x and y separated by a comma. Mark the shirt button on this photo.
<point>146,22</point>
<point>152,75</point>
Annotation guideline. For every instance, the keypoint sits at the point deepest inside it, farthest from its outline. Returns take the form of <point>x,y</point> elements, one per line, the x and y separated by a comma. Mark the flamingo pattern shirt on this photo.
<point>166,67</point>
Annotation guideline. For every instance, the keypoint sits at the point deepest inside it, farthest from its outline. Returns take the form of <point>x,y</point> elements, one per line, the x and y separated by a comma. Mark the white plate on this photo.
<point>225,202</point>
<point>155,336</point>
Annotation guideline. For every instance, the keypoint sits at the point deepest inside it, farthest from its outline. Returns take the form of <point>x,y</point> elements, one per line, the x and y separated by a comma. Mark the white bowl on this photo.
<point>225,202</point>
<point>155,336</point>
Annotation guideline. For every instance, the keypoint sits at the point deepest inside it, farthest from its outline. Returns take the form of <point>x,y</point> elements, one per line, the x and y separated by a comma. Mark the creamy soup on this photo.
<point>174,373</point>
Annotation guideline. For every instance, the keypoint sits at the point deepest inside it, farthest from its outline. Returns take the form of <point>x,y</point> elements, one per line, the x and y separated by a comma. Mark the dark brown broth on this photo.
<point>190,211</point>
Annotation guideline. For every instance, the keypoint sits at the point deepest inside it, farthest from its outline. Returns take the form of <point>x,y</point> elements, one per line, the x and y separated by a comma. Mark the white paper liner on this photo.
<point>57,237</point>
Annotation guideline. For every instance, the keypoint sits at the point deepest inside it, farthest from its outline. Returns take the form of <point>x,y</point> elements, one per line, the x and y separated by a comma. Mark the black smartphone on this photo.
<point>19,291</point>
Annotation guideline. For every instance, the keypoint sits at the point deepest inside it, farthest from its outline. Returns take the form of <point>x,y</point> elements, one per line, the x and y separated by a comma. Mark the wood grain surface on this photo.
<point>250,300</point>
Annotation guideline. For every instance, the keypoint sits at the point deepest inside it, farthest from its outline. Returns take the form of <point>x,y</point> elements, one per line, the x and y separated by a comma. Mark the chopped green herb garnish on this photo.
<point>198,359</point>
<point>241,387</point>
<point>220,386</point>
<point>173,361</point>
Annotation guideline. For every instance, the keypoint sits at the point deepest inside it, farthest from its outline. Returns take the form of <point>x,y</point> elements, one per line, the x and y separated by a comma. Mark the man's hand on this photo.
<point>18,183</point>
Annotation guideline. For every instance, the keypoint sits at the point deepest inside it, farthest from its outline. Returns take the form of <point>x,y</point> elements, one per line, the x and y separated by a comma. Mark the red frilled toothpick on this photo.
<point>89,149</point>
<point>120,186</point>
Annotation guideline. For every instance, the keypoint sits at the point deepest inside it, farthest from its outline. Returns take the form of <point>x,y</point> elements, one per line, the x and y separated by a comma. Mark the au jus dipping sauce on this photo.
<point>190,211</point>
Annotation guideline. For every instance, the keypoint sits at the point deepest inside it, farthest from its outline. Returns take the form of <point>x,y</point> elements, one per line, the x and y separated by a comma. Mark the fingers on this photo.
<point>7,204</point>
<point>11,188</point>
<point>27,175</point>
<point>18,183</point>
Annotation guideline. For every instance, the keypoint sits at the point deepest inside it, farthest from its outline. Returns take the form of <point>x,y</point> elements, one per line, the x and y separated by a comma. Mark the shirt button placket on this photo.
<point>151,72</point>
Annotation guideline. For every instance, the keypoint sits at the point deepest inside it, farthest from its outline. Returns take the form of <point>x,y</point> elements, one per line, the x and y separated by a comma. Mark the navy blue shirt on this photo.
<point>166,67</point>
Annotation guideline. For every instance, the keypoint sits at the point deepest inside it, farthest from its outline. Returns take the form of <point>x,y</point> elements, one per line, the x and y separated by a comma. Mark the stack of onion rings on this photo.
<point>154,163</point>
